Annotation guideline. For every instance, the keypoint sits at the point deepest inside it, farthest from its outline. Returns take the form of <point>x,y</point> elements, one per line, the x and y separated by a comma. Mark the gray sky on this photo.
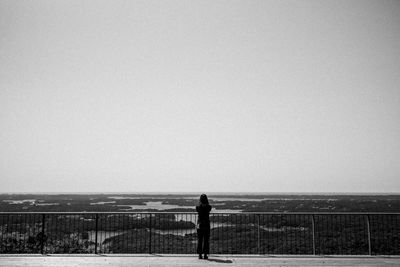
<point>257,96</point>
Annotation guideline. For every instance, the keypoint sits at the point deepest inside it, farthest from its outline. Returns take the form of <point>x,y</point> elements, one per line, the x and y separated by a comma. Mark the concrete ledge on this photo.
<point>195,255</point>
<point>158,260</point>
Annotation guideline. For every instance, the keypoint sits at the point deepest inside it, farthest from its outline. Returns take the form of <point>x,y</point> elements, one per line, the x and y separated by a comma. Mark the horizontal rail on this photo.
<point>193,212</point>
<point>300,233</point>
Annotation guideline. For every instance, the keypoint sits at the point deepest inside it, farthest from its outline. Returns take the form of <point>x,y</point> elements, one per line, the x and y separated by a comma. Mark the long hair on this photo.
<point>203,200</point>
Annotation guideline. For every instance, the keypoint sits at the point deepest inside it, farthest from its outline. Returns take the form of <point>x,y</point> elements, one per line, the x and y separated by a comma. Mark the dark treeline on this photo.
<point>230,234</point>
<point>235,233</point>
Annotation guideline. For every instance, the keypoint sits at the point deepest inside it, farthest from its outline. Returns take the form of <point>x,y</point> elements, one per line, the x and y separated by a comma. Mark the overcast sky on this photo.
<point>200,96</point>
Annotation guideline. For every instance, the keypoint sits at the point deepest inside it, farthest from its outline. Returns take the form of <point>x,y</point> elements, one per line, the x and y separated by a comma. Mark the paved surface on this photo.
<point>191,260</point>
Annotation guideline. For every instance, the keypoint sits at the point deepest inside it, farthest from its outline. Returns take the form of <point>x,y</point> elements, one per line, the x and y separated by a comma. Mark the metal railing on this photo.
<point>174,232</point>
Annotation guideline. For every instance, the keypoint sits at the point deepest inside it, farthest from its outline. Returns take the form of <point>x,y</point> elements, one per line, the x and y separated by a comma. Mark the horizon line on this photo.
<point>211,193</point>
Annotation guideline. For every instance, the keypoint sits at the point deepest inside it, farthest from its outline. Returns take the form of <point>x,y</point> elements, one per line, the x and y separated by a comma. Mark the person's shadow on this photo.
<point>220,260</point>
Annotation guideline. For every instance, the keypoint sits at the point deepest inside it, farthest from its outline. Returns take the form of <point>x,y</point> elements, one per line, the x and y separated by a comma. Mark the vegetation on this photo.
<point>173,233</point>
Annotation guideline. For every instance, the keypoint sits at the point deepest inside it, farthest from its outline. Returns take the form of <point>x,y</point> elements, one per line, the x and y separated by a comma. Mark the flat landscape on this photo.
<point>186,202</point>
<point>165,223</point>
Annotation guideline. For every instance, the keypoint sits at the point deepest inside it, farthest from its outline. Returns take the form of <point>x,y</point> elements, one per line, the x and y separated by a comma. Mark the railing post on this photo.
<point>258,233</point>
<point>369,234</point>
<point>96,232</point>
<point>42,235</point>
<point>150,235</point>
<point>313,233</point>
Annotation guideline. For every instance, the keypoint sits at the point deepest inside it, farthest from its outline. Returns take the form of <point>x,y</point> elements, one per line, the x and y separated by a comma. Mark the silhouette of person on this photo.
<point>203,226</point>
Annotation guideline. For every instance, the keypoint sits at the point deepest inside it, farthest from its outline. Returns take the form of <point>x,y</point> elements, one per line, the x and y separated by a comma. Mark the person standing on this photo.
<point>203,226</point>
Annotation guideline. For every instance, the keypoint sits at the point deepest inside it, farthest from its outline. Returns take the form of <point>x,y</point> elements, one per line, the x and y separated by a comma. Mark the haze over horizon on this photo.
<point>200,96</point>
<point>209,193</point>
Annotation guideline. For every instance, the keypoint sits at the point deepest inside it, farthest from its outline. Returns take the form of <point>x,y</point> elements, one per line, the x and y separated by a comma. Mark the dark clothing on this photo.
<point>203,231</point>
<point>203,240</point>
<point>204,215</point>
